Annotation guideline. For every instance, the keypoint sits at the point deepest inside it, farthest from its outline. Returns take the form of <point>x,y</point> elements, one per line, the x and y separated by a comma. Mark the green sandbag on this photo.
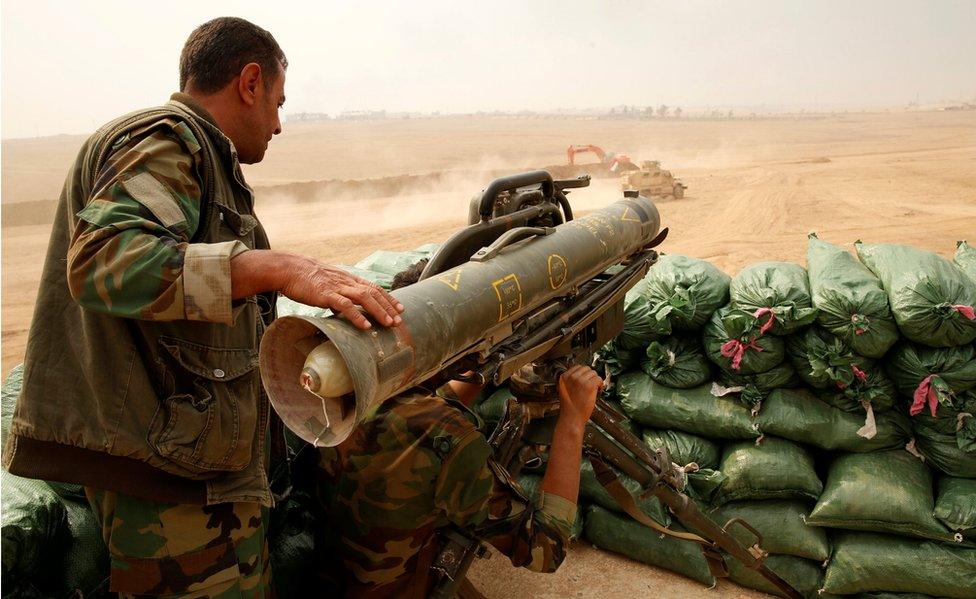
<point>291,544</point>
<point>753,389</point>
<point>8,399</point>
<point>781,524</point>
<point>952,370</point>
<point>683,292</point>
<point>869,562</point>
<point>955,504</point>
<point>86,564</point>
<point>966,259</point>
<point>684,448</point>
<point>823,361</point>
<point>694,411</point>
<point>613,360</point>
<point>622,535</point>
<point>950,452</point>
<point>391,263</point>
<point>593,491</point>
<point>782,287</point>
<point>492,408</point>
<point>638,331</point>
<point>33,523</point>
<point>876,389</point>
<point>732,341</point>
<point>530,484</point>
<point>802,574</point>
<point>851,301</point>
<point>797,415</point>
<point>677,362</point>
<point>773,469</point>
<point>931,299</point>
<point>884,491</point>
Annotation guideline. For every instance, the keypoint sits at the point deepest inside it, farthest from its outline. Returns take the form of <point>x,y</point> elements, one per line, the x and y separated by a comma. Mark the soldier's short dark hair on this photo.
<point>409,275</point>
<point>216,52</point>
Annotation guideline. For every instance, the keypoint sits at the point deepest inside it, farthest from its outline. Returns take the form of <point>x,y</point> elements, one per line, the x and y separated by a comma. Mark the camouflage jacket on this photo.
<point>135,332</point>
<point>419,465</point>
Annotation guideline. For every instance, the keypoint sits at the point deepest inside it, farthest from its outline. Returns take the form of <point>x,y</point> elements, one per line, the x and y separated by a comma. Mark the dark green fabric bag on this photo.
<point>33,525</point>
<point>638,331</point>
<point>884,491</point>
<point>781,522</point>
<point>86,564</point>
<point>942,372</point>
<point>621,534</point>
<point>530,484</point>
<point>683,292</point>
<point>593,491</point>
<point>823,361</point>
<point>782,287</point>
<point>948,440</point>
<point>876,389</point>
<point>694,411</point>
<point>966,259</point>
<point>867,562</point>
<point>955,504</point>
<point>773,469</point>
<point>732,341</point>
<point>797,415</point>
<point>803,575</point>
<point>492,408</point>
<point>685,448</point>
<point>612,360</point>
<point>753,389</point>
<point>930,298</point>
<point>392,263</point>
<point>677,362</point>
<point>851,301</point>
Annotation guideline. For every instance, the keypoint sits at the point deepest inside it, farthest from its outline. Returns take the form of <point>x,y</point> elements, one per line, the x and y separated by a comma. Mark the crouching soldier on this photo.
<point>420,466</point>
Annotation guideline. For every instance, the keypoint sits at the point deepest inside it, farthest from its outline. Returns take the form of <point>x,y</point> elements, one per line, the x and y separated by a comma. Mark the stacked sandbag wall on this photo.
<point>840,401</point>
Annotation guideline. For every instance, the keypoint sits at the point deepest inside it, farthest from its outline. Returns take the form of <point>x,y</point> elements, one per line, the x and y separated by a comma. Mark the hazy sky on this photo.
<point>69,66</point>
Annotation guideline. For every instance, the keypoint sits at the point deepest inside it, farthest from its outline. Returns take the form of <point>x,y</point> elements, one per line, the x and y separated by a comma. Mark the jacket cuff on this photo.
<point>206,281</point>
<point>561,511</point>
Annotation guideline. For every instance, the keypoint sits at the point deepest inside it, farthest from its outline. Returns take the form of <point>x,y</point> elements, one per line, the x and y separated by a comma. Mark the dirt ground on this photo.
<point>339,190</point>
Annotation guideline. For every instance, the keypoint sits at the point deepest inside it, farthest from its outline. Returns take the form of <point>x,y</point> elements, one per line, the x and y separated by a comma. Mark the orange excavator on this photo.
<point>617,163</point>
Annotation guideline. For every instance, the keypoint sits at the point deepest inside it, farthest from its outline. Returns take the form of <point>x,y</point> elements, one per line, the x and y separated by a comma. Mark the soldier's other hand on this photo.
<point>316,284</point>
<point>578,388</point>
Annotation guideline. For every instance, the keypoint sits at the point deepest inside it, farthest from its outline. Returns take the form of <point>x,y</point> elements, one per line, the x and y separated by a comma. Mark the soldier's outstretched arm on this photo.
<point>131,255</point>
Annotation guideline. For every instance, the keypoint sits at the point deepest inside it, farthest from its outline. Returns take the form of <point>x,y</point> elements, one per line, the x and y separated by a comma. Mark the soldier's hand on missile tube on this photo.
<point>310,282</point>
<point>330,287</point>
<point>578,388</point>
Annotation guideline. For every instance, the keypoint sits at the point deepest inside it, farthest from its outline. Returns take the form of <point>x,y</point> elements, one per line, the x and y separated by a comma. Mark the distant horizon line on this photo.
<point>616,112</point>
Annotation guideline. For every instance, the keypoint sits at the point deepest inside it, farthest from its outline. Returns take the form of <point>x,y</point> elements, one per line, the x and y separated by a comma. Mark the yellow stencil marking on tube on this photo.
<point>509,294</point>
<point>628,216</point>
<point>452,280</point>
<point>558,269</point>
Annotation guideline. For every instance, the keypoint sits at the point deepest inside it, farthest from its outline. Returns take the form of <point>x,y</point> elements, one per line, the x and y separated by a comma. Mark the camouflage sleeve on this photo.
<point>478,495</point>
<point>131,255</point>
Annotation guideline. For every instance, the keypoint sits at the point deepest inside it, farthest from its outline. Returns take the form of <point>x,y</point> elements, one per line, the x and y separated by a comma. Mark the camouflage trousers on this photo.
<point>187,551</point>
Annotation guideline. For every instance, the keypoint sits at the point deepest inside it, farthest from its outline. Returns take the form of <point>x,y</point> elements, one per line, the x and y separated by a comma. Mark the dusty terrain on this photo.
<point>755,189</point>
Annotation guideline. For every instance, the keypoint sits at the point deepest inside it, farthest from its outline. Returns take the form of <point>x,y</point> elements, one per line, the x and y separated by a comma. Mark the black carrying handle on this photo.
<point>488,196</point>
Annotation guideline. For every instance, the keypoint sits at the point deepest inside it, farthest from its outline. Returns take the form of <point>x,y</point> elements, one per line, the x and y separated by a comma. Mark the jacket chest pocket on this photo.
<point>208,420</point>
<point>230,225</point>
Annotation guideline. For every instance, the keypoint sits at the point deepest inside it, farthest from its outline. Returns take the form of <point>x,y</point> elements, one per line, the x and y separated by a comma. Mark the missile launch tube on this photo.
<point>446,316</point>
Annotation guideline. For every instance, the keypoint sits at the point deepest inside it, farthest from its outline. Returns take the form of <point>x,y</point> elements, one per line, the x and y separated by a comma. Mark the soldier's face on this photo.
<point>265,119</point>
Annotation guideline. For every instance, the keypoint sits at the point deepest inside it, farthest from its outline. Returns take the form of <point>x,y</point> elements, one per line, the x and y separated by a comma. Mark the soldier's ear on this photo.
<point>248,83</point>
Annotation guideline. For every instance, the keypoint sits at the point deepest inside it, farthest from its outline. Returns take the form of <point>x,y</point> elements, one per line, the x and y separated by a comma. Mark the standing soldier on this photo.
<point>140,380</point>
